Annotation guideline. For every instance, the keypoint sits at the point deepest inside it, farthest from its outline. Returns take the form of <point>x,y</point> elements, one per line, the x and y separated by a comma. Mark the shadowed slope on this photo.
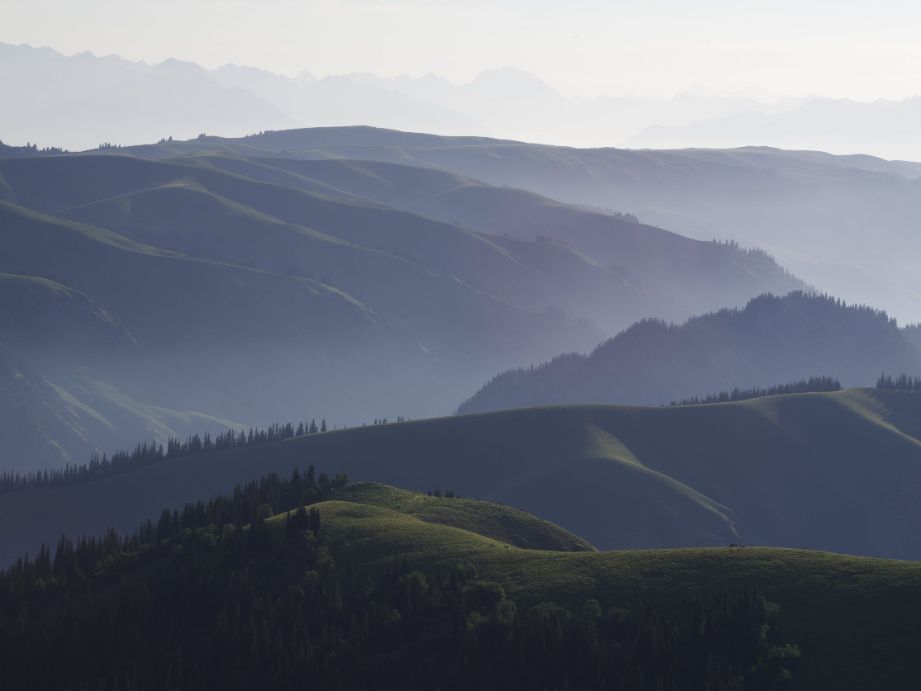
<point>832,471</point>
<point>773,339</point>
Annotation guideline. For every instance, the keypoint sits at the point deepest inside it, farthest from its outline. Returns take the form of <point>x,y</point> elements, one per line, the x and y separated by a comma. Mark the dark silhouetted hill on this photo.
<point>773,339</point>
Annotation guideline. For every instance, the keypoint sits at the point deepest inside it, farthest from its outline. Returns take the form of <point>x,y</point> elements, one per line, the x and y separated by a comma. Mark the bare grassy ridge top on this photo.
<point>495,521</point>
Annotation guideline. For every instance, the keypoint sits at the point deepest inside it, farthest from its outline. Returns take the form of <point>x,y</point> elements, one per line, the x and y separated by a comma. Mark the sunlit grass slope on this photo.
<point>853,618</point>
<point>496,521</point>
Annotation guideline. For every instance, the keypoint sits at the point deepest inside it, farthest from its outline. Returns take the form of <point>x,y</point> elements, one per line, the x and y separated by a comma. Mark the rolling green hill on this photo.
<point>830,471</point>
<point>491,520</point>
<point>853,618</point>
<point>394,581</point>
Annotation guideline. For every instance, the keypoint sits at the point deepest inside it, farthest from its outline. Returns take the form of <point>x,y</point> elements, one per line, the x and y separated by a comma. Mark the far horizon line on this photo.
<point>51,148</point>
<point>694,89</point>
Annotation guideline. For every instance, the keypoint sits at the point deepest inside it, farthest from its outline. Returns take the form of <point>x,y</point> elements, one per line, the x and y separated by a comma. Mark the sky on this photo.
<point>583,48</point>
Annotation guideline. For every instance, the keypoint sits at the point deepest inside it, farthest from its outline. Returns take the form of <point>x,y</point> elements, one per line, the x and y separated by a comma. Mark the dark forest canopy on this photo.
<point>215,596</point>
<point>148,453</point>
<point>811,385</point>
<point>903,382</point>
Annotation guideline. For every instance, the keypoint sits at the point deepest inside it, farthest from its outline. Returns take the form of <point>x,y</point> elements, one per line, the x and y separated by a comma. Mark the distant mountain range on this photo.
<point>770,340</point>
<point>81,101</point>
<point>884,127</point>
<point>153,291</point>
<point>810,210</point>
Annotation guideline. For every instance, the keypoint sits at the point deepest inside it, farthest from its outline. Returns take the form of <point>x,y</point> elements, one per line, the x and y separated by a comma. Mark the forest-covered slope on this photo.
<point>405,600</point>
<point>772,339</point>
<point>844,613</point>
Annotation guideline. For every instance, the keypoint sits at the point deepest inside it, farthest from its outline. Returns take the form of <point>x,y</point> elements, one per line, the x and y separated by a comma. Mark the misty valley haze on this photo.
<point>335,379</point>
<point>330,287</point>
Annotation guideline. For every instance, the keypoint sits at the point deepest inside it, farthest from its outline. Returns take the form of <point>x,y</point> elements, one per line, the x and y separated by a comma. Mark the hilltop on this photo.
<point>489,519</point>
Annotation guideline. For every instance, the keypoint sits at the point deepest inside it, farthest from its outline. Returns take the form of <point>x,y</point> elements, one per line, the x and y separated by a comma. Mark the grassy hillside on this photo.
<point>254,285</point>
<point>39,421</point>
<point>196,578</point>
<point>592,265</point>
<point>676,275</point>
<point>34,311</point>
<point>196,326</point>
<point>853,618</point>
<point>831,471</point>
<point>772,339</point>
<point>808,208</point>
<point>495,521</point>
<point>435,281</point>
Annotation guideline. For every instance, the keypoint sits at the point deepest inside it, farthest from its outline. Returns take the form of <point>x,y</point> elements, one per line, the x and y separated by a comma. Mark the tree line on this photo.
<point>811,385</point>
<point>215,596</point>
<point>903,382</point>
<point>148,453</point>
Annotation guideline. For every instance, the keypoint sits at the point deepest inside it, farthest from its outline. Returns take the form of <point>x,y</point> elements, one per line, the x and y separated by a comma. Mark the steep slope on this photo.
<point>811,210</point>
<point>832,471</point>
<point>407,275</point>
<point>439,282</point>
<point>549,256</point>
<point>38,421</point>
<point>35,311</point>
<point>210,337</point>
<point>771,340</point>
<point>674,276</point>
<point>58,412</point>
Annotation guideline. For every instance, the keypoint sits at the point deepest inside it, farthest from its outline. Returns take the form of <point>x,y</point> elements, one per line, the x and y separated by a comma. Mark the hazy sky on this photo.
<point>582,47</point>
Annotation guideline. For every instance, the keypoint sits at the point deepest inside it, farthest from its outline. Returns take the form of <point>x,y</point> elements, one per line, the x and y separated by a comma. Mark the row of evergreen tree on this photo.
<point>214,596</point>
<point>811,385</point>
<point>151,452</point>
<point>903,382</point>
